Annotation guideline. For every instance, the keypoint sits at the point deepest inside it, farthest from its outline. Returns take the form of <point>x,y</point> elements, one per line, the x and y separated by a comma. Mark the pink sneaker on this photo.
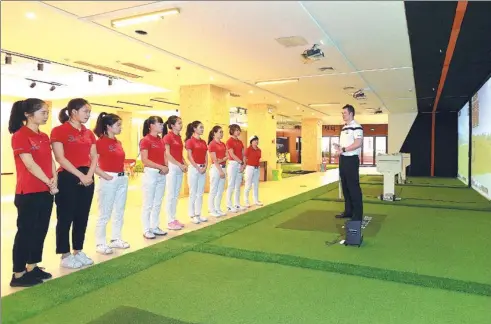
<point>174,226</point>
<point>179,223</point>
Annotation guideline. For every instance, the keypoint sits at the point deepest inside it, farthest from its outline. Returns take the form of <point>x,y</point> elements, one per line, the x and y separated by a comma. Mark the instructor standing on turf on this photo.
<point>349,149</point>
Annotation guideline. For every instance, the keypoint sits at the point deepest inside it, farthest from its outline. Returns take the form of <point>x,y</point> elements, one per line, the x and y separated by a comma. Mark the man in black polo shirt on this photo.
<point>349,150</point>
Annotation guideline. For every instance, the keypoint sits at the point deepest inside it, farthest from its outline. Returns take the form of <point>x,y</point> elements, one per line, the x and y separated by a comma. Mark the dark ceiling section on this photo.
<point>471,63</point>
<point>430,26</point>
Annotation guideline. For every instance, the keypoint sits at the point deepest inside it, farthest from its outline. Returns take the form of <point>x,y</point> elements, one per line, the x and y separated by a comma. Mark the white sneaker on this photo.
<point>71,262</point>
<point>158,231</point>
<point>221,213</point>
<point>232,209</point>
<point>240,208</point>
<point>202,219</point>
<point>195,220</point>
<point>149,235</point>
<point>258,203</point>
<point>119,244</point>
<point>103,249</point>
<point>83,258</point>
<point>247,205</point>
<point>215,214</point>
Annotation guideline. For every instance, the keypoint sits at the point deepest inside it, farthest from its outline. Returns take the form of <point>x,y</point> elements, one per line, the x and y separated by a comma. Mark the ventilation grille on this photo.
<point>235,95</point>
<point>108,69</point>
<point>292,41</point>
<point>326,68</point>
<point>138,67</point>
<point>348,88</point>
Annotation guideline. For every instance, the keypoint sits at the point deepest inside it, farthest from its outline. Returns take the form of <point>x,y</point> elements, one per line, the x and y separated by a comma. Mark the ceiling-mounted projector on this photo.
<point>312,54</point>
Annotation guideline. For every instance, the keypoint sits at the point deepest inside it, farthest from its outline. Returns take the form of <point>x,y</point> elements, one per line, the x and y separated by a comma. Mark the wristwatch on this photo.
<point>343,149</point>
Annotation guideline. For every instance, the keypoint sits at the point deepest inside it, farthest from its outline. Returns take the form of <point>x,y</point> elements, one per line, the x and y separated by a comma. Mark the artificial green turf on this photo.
<point>95,277</point>
<point>442,197</point>
<point>132,315</point>
<point>203,288</point>
<point>417,181</point>
<point>425,241</point>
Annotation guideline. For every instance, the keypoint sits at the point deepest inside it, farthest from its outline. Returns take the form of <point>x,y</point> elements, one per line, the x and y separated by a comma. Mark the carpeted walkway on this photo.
<point>282,264</point>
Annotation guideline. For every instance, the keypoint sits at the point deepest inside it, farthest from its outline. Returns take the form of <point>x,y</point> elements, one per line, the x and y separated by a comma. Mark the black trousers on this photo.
<point>72,208</point>
<point>349,172</point>
<point>34,212</point>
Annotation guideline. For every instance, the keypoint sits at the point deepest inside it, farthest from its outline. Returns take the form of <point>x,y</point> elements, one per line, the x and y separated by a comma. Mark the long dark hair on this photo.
<point>172,120</point>
<point>19,111</point>
<point>191,127</point>
<point>213,131</point>
<point>232,128</point>
<point>150,121</point>
<point>103,121</point>
<point>74,104</point>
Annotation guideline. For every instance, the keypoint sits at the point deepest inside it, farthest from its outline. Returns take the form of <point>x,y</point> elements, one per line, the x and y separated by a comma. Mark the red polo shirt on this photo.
<point>111,154</point>
<point>218,148</point>
<point>76,143</point>
<point>198,149</point>
<point>27,141</point>
<point>155,148</point>
<point>175,143</point>
<point>237,146</point>
<point>253,156</point>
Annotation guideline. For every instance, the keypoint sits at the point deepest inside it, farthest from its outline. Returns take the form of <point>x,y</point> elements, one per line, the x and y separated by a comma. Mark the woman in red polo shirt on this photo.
<point>152,151</point>
<point>177,167</point>
<point>235,169</point>
<point>36,182</point>
<point>197,157</point>
<point>113,185</point>
<point>218,155</point>
<point>253,155</point>
<point>75,151</point>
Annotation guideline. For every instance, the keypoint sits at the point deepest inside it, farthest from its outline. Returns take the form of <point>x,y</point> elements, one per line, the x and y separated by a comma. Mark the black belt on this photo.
<point>121,174</point>
<point>255,167</point>
<point>201,165</point>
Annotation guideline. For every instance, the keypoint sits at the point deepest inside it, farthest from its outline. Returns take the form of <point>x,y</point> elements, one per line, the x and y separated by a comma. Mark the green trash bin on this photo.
<point>276,173</point>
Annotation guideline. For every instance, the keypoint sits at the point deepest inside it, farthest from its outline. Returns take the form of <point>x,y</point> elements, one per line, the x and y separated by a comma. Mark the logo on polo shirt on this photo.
<point>72,138</point>
<point>155,145</point>
<point>112,148</point>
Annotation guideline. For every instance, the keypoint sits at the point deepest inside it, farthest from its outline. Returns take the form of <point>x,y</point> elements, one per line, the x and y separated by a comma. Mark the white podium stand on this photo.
<point>390,165</point>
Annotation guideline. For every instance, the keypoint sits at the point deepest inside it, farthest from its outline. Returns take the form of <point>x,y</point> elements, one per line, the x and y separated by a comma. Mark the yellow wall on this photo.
<point>311,144</point>
<point>262,124</point>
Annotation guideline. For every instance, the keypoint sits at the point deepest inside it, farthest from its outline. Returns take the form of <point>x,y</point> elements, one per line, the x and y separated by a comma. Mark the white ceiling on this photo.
<point>232,44</point>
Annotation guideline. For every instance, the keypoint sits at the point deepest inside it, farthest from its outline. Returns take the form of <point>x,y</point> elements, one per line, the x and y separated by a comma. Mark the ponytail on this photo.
<point>213,131</point>
<point>19,111</point>
<point>100,128</point>
<point>63,115</point>
<point>146,127</point>
<point>191,127</point>
<point>165,130</point>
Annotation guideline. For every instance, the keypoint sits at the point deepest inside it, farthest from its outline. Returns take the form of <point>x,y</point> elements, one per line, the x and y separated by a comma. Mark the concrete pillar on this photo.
<point>261,121</point>
<point>311,144</point>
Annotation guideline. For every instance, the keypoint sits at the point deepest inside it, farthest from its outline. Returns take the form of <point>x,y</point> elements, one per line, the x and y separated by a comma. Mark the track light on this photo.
<point>110,82</point>
<point>52,88</point>
<point>40,66</point>
<point>8,59</point>
<point>91,78</point>
<point>33,84</point>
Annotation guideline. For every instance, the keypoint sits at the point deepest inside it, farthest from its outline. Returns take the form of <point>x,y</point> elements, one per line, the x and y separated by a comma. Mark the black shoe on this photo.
<point>25,281</point>
<point>343,215</point>
<point>39,273</point>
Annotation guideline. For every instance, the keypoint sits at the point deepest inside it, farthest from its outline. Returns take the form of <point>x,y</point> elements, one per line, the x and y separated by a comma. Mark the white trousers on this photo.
<point>153,187</point>
<point>111,196</point>
<point>217,185</point>
<point>251,179</point>
<point>196,182</point>
<point>174,183</point>
<point>234,182</point>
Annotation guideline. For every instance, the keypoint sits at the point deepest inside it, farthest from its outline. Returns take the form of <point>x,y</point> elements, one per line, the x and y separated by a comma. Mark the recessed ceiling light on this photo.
<point>30,15</point>
<point>277,101</point>
<point>141,32</point>
<point>298,108</point>
<point>211,78</point>
<point>148,57</point>
<point>321,41</point>
<point>312,114</point>
<point>250,91</point>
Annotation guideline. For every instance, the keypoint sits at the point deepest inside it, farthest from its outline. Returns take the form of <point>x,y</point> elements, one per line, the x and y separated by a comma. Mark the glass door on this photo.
<point>333,158</point>
<point>368,151</point>
<point>380,145</point>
